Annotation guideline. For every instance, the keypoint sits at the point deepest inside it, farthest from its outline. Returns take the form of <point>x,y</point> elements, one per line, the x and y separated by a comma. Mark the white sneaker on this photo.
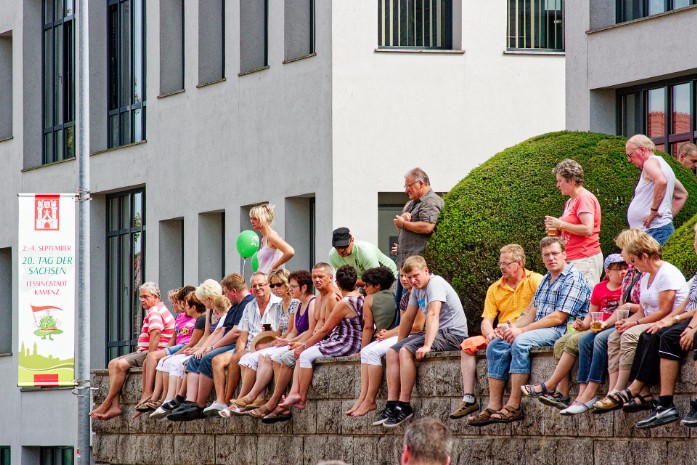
<point>577,407</point>
<point>159,413</point>
<point>213,409</point>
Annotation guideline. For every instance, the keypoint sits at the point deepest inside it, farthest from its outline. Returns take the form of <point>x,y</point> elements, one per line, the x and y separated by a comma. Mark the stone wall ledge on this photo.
<point>322,431</point>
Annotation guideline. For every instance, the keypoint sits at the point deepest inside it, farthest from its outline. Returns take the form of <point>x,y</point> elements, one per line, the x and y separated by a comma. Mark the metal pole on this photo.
<point>84,452</point>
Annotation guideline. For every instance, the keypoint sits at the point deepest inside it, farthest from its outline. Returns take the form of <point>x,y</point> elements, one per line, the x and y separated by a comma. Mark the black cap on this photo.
<point>341,237</point>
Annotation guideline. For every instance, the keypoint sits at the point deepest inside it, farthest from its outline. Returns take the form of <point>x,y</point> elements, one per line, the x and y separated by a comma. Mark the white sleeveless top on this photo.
<point>641,204</point>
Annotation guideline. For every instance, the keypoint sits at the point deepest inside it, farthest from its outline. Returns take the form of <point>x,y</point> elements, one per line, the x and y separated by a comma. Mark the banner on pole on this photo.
<point>46,261</point>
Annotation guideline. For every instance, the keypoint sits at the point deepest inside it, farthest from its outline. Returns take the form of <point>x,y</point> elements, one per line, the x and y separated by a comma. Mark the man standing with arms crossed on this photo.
<point>417,221</point>
<point>658,196</point>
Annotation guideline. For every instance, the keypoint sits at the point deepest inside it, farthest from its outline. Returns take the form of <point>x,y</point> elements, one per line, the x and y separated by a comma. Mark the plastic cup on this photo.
<point>622,314</point>
<point>596,321</point>
<point>552,232</point>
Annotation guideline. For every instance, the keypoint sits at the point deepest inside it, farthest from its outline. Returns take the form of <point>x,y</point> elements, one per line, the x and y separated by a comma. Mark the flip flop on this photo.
<point>260,413</point>
<point>231,410</point>
<point>275,417</point>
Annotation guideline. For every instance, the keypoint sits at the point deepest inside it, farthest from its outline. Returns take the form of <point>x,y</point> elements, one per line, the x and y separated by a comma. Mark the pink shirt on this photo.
<point>582,246</point>
<point>157,318</point>
<point>185,328</point>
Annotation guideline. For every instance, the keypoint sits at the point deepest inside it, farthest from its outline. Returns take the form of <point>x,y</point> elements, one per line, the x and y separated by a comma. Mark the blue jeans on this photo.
<point>504,358</point>
<point>592,356</point>
<point>173,349</point>
<point>661,234</point>
<point>204,365</point>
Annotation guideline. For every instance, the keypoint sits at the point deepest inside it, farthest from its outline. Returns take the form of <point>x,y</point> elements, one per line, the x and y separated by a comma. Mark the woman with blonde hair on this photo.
<point>274,251</point>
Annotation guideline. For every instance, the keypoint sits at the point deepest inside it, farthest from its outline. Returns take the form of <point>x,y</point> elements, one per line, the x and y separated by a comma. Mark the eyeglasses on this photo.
<point>551,254</point>
<point>275,285</point>
<point>408,186</point>
<point>631,153</point>
<point>258,286</point>
<point>507,263</point>
<point>293,286</point>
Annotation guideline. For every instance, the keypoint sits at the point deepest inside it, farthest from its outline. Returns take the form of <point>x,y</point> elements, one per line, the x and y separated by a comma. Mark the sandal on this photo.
<point>242,402</point>
<point>260,413</point>
<point>148,406</point>
<point>254,405</point>
<point>613,401</point>
<point>530,390</point>
<point>483,418</point>
<point>555,399</point>
<point>639,403</point>
<point>507,414</point>
<point>278,415</point>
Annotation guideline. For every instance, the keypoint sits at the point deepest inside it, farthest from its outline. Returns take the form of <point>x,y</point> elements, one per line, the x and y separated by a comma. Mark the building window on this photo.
<point>125,269</point>
<point>299,18</point>
<point>211,41</point>
<point>628,10</point>
<point>415,23</point>
<point>536,25</point>
<point>56,456</point>
<point>5,85</point>
<point>58,75</point>
<point>253,35</point>
<point>126,72</point>
<point>171,46</point>
<point>665,112</point>
<point>5,455</point>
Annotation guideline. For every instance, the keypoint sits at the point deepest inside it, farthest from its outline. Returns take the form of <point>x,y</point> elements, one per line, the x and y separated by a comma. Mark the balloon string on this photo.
<point>244,262</point>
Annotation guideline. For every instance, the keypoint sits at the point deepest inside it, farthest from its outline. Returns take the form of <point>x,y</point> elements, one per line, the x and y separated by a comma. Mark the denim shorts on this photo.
<point>504,358</point>
<point>174,349</point>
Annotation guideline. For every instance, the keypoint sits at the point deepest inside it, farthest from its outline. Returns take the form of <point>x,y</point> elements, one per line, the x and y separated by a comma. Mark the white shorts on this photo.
<point>372,353</point>
<point>308,356</point>
<point>174,365</point>
<point>283,355</point>
<point>251,359</point>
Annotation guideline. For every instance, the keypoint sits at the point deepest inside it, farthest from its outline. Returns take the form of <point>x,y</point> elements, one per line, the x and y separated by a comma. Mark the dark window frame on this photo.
<point>266,45</point>
<point>66,129</point>
<point>5,455</point>
<point>668,138</point>
<point>446,23</point>
<point>114,70</point>
<point>513,42</point>
<point>124,343</point>
<point>60,455</point>
<point>623,14</point>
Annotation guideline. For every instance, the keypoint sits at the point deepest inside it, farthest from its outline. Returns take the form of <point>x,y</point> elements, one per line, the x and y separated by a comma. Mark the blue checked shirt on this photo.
<point>569,293</point>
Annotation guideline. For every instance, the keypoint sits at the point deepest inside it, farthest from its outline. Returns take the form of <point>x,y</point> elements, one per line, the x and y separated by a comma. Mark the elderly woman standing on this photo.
<point>579,225</point>
<point>663,288</point>
<point>274,251</point>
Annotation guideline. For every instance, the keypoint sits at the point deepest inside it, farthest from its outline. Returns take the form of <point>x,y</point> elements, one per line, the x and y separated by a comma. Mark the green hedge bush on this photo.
<point>679,249</point>
<point>505,199</point>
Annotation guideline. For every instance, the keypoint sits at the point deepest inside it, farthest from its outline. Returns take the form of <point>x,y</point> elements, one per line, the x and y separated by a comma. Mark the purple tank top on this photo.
<point>302,320</point>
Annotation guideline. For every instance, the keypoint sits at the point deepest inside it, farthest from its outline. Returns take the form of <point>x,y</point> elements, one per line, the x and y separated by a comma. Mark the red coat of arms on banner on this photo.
<point>47,213</point>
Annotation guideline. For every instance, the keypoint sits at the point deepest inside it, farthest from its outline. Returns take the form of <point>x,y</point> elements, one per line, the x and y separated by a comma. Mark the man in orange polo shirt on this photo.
<point>506,299</point>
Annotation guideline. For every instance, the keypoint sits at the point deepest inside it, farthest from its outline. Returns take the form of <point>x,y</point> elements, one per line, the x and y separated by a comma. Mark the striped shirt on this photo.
<point>569,293</point>
<point>157,318</point>
<point>252,319</point>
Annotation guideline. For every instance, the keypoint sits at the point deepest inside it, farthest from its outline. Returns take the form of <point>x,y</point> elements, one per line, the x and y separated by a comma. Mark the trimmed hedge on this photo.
<point>505,199</point>
<point>679,249</point>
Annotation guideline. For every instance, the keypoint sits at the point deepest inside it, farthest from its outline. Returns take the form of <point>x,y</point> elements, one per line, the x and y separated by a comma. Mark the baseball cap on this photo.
<point>341,237</point>
<point>613,258</point>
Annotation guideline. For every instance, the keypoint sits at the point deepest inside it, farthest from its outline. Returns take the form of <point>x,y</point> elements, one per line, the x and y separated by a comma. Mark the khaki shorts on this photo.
<point>135,359</point>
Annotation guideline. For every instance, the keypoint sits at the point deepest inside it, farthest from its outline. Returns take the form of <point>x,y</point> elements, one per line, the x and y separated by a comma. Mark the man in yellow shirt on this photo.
<point>505,299</point>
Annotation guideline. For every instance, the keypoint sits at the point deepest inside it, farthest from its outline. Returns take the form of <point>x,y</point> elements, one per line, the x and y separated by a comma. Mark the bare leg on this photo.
<point>364,390</point>
<point>233,375</point>
<point>149,367</point>
<point>219,364</point>
<point>110,408</point>
<point>669,376</point>
<point>205,386</point>
<point>374,380</point>
<point>183,386</point>
<point>283,377</point>
<point>165,382</point>
<point>393,378</point>
<point>560,378</point>
<point>468,367</point>
<point>192,386</point>
<point>407,374</point>
<point>588,393</point>
<point>249,376</point>
<point>517,380</point>
<point>496,388</point>
<point>263,378</point>
<point>298,399</point>
<point>157,391</point>
<point>622,379</point>
<point>611,380</point>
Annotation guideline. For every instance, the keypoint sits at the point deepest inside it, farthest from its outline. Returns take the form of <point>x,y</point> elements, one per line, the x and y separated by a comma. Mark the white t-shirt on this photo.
<point>668,278</point>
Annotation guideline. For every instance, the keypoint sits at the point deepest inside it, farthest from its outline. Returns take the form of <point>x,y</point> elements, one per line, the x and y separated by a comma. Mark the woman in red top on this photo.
<point>579,225</point>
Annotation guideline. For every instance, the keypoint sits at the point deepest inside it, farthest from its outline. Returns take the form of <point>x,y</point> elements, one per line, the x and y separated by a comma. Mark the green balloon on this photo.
<point>247,243</point>
<point>255,262</point>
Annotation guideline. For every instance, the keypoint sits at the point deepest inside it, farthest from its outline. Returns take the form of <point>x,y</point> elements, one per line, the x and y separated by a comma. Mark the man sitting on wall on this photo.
<point>158,328</point>
<point>563,292</point>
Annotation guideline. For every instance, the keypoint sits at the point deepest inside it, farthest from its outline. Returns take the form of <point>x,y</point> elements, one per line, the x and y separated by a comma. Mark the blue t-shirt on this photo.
<point>234,315</point>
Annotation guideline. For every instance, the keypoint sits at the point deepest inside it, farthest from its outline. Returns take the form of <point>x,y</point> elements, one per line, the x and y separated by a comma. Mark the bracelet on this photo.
<point>304,346</point>
<point>654,209</point>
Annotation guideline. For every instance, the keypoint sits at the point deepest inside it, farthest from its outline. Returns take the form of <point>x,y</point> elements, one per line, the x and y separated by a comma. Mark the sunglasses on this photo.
<point>272,286</point>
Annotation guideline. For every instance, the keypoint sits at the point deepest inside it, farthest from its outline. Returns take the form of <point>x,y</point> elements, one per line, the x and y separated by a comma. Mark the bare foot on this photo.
<point>354,407</point>
<point>364,408</point>
<point>291,399</point>
<point>101,410</point>
<point>136,415</point>
<point>113,412</point>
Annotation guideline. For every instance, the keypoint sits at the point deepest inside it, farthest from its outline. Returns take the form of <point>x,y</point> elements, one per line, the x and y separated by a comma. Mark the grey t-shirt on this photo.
<point>452,315</point>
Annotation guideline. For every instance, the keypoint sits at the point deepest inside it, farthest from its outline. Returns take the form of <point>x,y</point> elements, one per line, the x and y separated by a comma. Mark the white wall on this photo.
<point>447,113</point>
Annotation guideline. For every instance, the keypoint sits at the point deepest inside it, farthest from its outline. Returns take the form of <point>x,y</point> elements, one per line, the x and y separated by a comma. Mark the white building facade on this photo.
<point>201,109</point>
